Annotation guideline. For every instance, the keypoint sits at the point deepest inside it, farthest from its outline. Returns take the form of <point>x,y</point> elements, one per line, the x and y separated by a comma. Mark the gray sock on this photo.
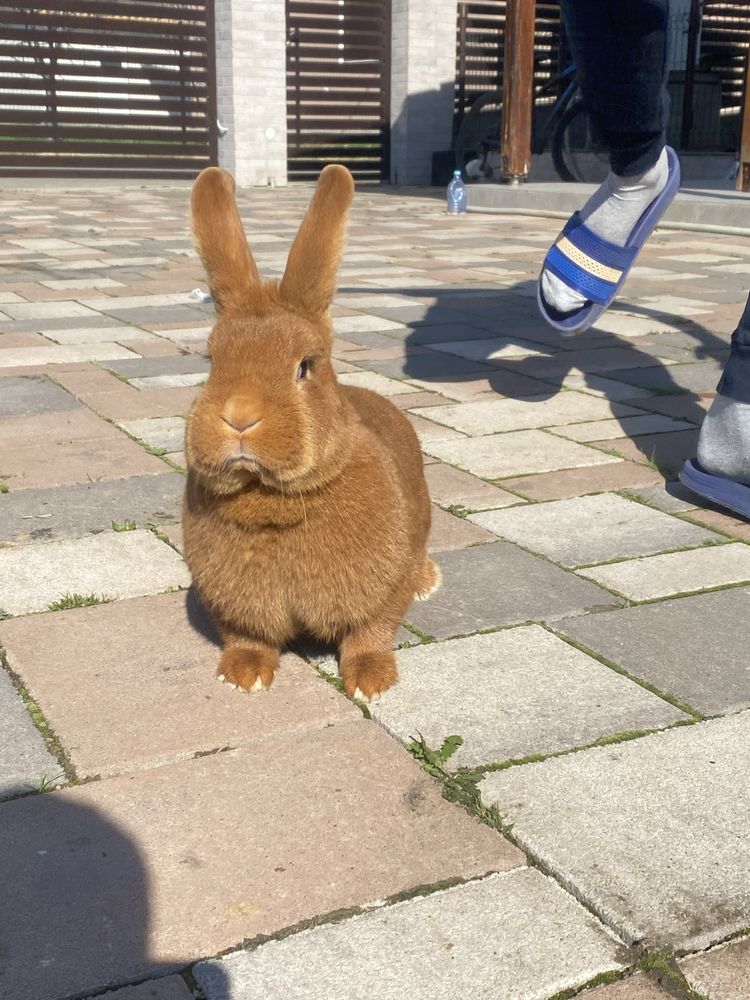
<point>724,443</point>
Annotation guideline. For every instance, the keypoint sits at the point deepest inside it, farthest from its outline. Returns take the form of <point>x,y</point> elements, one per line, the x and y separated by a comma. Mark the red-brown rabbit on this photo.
<point>306,508</point>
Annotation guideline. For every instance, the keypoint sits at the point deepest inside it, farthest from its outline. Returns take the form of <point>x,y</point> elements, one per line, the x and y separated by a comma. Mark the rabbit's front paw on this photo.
<point>368,674</point>
<point>247,669</point>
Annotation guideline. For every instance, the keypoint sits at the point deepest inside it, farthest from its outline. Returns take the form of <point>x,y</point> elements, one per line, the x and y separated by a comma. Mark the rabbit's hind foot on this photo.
<point>367,675</point>
<point>247,669</point>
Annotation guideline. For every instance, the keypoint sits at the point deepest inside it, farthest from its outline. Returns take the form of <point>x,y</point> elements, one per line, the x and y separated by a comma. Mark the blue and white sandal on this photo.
<point>596,268</point>
<point>723,492</point>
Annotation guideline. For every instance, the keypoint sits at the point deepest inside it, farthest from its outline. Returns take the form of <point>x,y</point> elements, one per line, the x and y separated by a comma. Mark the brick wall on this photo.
<point>251,89</point>
<point>423,67</point>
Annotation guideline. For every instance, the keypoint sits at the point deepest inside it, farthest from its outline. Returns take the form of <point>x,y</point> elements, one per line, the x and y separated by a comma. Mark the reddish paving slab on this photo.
<point>578,482</point>
<point>722,973</point>
<point>135,876</point>
<point>133,684</point>
<point>634,988</point>
<point>450,532</point>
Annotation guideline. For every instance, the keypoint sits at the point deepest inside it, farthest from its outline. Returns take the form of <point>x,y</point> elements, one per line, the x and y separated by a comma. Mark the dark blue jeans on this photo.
<point>620,51</point>
<point>619,47</point>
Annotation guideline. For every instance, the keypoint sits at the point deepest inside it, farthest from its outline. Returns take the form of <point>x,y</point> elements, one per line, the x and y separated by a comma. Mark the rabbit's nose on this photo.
<point>241,414</point>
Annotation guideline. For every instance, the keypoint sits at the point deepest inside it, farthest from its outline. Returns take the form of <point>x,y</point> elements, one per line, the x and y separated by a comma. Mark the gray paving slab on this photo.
<point>111,565</point>
<point>722,973</point>
<point>27,394</point>
<point>67,511</point>
<point>516,453</point>
<point>137,876</point>
<point>592,529</point>
<point>701,376</point>
<point>24,759</point>
<point>478,941</point>
<point>650,577</point>
<point>499,584</point>
<point>693,647</point>
<point>651,833</point>
<point>158,432</point>
<point>172,364</point>
<point>512,693</point>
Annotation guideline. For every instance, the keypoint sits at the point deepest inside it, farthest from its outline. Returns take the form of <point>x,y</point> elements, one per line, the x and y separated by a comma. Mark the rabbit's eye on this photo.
<point>303,369</point>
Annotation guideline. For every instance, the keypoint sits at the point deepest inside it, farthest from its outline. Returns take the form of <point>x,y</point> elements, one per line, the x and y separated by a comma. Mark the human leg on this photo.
<point>620,53</point>
<point>721,472</point>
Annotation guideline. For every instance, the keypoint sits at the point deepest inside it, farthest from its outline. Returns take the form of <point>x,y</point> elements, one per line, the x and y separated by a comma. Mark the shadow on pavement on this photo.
<point>506,317</point>
<point>77,909</point>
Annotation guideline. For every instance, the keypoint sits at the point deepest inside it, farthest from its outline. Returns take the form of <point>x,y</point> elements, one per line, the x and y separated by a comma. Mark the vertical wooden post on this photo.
<point>743,177</point>
<point>518,76</point>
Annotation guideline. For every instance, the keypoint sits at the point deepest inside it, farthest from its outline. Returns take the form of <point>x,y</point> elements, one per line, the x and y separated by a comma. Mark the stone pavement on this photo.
<point>162,836</point>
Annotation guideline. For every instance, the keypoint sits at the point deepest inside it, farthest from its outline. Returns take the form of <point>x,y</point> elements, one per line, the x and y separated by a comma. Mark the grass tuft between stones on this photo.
<point>68,601</point>
<point>668,974</point>
<point>4,488</point>
<point>603,979</point>
<point>126,525</point>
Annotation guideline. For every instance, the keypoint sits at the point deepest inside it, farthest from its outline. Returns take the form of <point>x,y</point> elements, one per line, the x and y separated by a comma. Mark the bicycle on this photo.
<point>573,147</point>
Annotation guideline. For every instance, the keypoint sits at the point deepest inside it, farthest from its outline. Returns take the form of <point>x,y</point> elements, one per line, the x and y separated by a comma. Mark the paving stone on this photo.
<point>166,851</point>
<point>577,482</point>
<point>168,381</point>
<point>689,646</point>
<point>98,335</point>
<point>24,759</point>
<point>152,661</point>
<point>22,357</point>
<point>499,584</point>
<point>699,377</point>
<point>372,380</point>
<point>676,572</point>
<point>591,529</point>
<point>452,488</point>
<point>673,498</point>
<point>354,323</point>
<point>651,833</point>
<point>483,936</point>
<point>488,349</point>
<point>634,988</point>
<point>46,310</point>
<point>523,691</point>
<point>67,459</point>
<point>722,973</point>
<point>450,532</point>
<point>667,451</point>
<point>496,456</point>
<point>158,432</point>
<point>522,414</point>
<point>168,988</point>
<point>182,364</point>
<point>647,423</point>
<point>35,515</point>
<point>730,524</point>
<point>467,387</point>
<point>113,565</point>
<point>31,394</point>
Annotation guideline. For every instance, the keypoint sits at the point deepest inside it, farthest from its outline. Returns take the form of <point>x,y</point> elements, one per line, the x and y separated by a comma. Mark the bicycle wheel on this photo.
<point>574,150</point>
<point>482,116</point>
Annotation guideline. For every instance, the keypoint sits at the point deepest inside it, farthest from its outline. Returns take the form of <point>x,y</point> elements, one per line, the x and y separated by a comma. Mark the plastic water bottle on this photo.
<point>456,194</point>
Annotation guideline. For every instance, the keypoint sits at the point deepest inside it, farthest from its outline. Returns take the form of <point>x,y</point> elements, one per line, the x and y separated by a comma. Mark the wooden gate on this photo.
<point>107,87</point>
<point>338,87</point>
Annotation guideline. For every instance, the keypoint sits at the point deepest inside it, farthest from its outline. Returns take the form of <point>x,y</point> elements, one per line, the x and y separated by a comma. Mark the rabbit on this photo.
<point>306,509</point>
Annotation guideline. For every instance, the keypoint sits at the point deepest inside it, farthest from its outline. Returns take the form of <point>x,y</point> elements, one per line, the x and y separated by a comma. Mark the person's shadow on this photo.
<point>76,910</point>
<point>482,319</point>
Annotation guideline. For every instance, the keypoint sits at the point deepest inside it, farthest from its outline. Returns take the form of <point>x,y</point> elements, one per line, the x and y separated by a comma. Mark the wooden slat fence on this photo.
<point>107,87</point>
<point>338,87</point>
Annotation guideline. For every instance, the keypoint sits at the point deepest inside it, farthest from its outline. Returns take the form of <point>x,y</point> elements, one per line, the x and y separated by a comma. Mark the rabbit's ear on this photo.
<point>309,282</point>
<point>220,239</point>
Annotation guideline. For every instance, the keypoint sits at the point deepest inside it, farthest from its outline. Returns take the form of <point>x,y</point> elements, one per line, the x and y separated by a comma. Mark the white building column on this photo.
<point>423,73</point>
<point>251,89</point>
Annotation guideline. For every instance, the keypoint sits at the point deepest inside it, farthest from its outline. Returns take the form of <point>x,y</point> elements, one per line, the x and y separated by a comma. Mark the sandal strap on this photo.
<point>587,263</point>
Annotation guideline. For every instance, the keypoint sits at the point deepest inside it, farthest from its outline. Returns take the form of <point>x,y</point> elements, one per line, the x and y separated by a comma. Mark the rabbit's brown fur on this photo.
<point>306,509</point>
